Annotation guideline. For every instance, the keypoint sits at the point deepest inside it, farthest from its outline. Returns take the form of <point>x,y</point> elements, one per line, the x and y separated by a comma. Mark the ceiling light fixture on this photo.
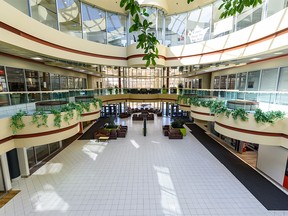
<point>36,58</point>
<point>254,59</point>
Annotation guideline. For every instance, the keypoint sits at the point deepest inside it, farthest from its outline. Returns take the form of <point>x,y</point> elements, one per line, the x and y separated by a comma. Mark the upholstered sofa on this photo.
<point>165,129</point>
<point>101,133</point>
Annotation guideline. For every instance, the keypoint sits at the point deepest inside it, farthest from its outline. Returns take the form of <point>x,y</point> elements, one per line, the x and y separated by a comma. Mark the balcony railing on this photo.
<point>12,102</point>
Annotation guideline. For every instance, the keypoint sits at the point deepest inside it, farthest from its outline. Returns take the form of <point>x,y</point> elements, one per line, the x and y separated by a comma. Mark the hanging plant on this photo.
<point>40,118</point>
<point>268,117</point>
<point>85,106</point>
<point>17,121</point>
<point>239,113</point>
<point>68,113</point>
<point>57,117</point>
<point>218,107</point>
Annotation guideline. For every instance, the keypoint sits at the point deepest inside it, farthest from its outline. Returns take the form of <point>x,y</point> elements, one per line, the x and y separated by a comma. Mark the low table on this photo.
<point>103,139</point>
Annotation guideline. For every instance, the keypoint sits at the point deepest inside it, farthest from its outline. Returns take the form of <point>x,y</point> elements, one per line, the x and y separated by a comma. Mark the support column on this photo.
<point>13,164</point>
<point>6,174</point>
<point>23,162</point>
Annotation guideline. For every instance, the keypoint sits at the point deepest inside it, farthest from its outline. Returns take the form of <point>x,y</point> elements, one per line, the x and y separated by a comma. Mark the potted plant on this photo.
<point>110,90</point>
<point>179,123</point>
<point>164,90</point>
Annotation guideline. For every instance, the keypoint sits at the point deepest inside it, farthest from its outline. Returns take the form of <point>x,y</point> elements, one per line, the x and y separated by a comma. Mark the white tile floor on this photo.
<point>135,175</point>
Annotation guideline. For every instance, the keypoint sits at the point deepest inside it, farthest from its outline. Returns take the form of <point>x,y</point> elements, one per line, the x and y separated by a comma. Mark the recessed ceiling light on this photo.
<point>36,58</point>
<point>254,59</point>
<point>69,67</point>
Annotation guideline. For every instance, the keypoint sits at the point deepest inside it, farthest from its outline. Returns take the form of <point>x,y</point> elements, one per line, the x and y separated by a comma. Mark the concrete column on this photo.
<point>23,162</point>
<point>60,144</point>
<point>6,174</point>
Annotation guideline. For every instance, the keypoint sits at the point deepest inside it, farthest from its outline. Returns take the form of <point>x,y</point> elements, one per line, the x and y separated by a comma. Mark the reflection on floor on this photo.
<point>133,176</point>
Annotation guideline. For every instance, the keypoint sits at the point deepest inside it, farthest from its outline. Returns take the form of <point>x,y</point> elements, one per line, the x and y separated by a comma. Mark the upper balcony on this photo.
<point>194,43</point>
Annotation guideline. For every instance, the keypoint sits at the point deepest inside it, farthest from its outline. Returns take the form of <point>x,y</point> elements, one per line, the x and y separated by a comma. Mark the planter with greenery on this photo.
<point>41,118</point>
<point>17,121</point>
<point>179,123</point>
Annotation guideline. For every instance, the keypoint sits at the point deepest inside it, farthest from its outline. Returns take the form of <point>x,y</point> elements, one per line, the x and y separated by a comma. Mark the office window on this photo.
<point>45,12</point>
<point>273,8</point>
<point>253,80</point>
<point>32,80</point>
<point>160,27</point>
<point>231,81</point>
<point>175,27</point>
<point>63,82</point>
<point>3,83</point>
<point>69,16</point>
<point>116,29</point>
<point>71,83</point>
<point>45,81</point>
<point>248,17</point>
<point>283,79</point>
<point>55,80</point>
<point>198,25</point>
<point>241,81</point>
<point>21,5</point>
<point>16,80</point>
<point>4,100</point>
<point>94,24</point>
<point>221,26</point>
<point>223,82</point>
<point>216,82</point>
<point>269,79</point>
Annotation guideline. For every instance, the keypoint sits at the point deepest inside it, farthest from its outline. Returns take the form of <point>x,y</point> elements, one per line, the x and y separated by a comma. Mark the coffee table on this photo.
<point>103,139</point>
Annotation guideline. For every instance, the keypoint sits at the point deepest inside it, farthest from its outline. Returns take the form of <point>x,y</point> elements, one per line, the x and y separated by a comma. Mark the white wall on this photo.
<point>272,161</point>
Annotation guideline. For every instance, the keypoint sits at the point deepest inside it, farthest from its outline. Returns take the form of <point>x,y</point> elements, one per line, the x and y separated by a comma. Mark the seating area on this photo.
<point>140,117</point>
<point>172,133</point>
<point>121,131</point>
<point>124,115</point>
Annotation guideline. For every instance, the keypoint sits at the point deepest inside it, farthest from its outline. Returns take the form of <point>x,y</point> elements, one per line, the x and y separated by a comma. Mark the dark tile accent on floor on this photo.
<point>271,197</point>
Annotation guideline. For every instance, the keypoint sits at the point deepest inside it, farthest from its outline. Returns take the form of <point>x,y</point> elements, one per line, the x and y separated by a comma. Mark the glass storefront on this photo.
<point>37,154</point>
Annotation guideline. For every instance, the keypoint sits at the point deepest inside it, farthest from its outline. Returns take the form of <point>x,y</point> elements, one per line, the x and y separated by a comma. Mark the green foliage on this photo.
<point>79,109</point>
<point>148,41</point>
<point>17,121</point>
<point>232,7</point>
<point>57,117</point>
<point>40,118</point>
<point>85,106</point>
<point>218,107</point>
<point>268,117</point>
<point>239,113</point>
<point>178,123</point>
<point>69,113</point>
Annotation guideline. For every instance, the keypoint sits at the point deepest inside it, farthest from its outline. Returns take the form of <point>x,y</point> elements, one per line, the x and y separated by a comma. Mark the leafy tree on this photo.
<point>148,41</point>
